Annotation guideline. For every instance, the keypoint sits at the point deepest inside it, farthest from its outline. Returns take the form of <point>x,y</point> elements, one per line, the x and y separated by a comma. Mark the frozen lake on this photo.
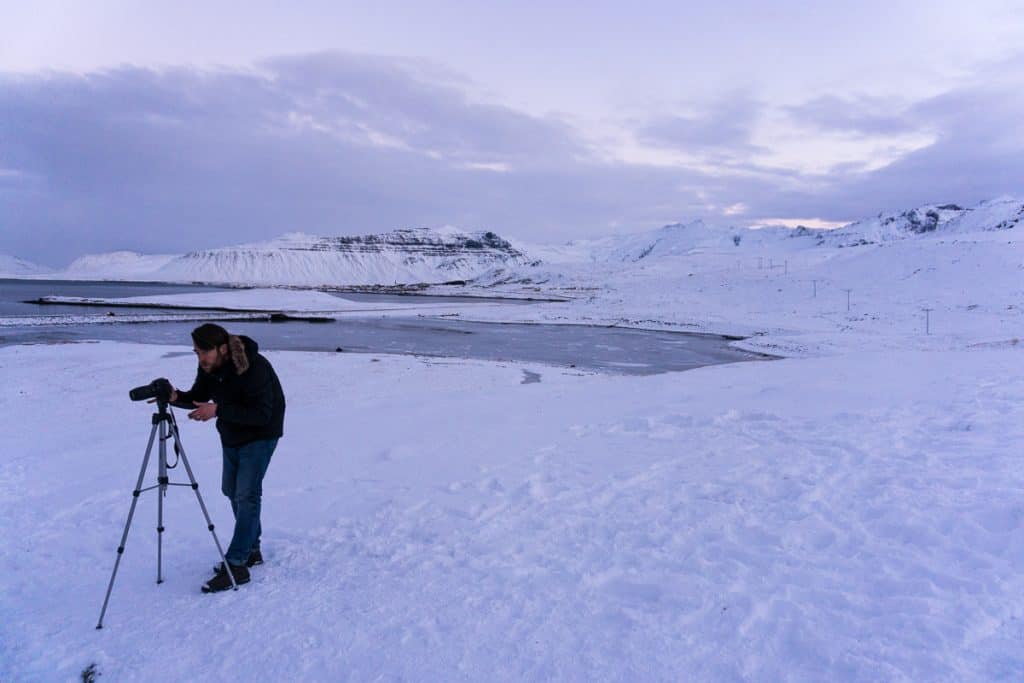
<point>605,349</point>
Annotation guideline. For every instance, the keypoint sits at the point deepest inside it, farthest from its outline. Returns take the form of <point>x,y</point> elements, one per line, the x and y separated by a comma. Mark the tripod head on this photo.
<point>162,413</point>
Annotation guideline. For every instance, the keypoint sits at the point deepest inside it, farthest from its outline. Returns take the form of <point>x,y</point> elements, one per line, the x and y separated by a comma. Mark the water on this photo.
<point>606,349</point>
<point>13,294</point>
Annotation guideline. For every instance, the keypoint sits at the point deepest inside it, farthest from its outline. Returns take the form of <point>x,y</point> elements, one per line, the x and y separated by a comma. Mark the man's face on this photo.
<point>210,360</point>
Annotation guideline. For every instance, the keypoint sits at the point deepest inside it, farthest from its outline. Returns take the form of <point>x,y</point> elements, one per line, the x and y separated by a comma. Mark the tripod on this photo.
<point>164,422</point>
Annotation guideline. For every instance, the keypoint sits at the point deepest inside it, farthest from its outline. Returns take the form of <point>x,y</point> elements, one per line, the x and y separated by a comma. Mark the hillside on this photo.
<point>398,257</point>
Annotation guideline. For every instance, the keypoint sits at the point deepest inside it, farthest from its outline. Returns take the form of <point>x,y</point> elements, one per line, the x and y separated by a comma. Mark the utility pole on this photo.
<point>927,320</point>
<point>847,299</point>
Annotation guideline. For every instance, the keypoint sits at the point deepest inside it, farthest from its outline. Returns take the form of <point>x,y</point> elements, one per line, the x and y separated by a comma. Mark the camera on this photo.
<point>160,389</point>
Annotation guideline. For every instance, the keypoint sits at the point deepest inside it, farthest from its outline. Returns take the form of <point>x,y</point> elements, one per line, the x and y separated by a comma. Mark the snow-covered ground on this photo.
<point>853,512</point>
<point>798,298</point>
<point>856,517</point>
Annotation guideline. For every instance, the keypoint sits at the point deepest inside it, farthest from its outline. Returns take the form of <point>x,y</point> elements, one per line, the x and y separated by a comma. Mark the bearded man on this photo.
<point>237,386</point>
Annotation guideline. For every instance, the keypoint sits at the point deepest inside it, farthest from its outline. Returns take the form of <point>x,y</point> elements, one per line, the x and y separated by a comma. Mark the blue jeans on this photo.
<point>242,483</point>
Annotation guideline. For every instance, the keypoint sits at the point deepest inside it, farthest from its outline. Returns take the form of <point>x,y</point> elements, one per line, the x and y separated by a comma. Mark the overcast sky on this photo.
<point>206,124</point>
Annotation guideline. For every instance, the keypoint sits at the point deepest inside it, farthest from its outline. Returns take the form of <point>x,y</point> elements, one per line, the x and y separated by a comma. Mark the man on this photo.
<point>238,386</point>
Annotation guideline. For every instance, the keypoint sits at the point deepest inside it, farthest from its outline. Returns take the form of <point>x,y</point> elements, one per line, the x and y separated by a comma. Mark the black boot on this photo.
<point>222,581</point>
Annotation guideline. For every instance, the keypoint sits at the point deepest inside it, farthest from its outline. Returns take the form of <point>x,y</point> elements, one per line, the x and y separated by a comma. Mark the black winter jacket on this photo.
<point>249,398</point>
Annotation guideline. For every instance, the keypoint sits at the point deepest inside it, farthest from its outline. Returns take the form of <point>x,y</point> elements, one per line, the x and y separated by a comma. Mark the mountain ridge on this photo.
<point>415,256</point>
<point>404,256</point>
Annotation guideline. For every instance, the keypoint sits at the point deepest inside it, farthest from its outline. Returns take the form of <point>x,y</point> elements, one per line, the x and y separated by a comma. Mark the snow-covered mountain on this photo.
<point>117,265</point>
<point>940,219</point>
<point>680,239</point>
<point>407,256</point>
<point>671,246</point>
<point>414,256</point>
<point>11,266</point>
<point>670,240</point>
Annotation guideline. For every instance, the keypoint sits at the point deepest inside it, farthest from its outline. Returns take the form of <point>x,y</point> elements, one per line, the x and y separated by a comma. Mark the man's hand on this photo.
<point>203,411</point>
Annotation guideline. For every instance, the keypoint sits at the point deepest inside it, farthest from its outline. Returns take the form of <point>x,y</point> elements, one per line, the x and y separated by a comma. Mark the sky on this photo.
<point>170,127</point>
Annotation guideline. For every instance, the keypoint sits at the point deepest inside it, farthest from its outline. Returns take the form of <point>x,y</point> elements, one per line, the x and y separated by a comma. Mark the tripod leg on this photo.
<point>161,481</point>
<point>127,524</point>
<point>202,505</point>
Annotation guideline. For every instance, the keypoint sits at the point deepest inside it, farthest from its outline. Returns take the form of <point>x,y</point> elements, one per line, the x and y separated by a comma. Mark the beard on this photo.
<point>210,366</point>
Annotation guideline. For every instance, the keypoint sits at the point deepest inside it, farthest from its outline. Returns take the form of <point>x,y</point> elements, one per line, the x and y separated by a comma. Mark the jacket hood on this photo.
<point>241,348</point>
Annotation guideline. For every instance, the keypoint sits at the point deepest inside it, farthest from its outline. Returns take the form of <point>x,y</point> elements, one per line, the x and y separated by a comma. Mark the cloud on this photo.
<point>722,129</point>
<point>391,98</point>
<point>169,160</point>
<point>862,115</point>
<point>175,159</point>
<point>978,152</point>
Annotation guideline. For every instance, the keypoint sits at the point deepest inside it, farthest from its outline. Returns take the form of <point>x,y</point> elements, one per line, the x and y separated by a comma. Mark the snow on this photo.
<point>107,319</point>
<point>996,214</point>
<point>855,517</point>
<point>12,267</point>
<point>399,257</point>
<point>259,299</point>
<point>239,303</point>
<point>789,294</point>
<point>852,512</point>
<point>118,265</point>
